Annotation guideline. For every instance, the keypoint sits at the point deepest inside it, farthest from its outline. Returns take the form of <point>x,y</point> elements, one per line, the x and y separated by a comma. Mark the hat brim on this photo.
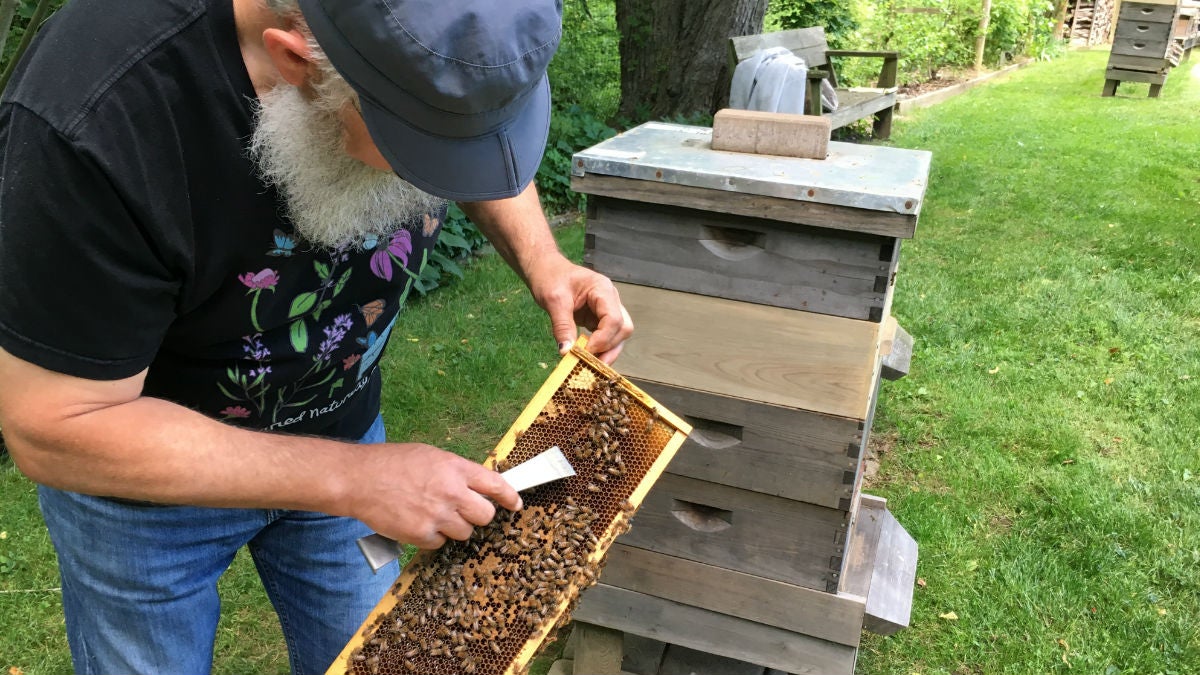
<point>496,165</point>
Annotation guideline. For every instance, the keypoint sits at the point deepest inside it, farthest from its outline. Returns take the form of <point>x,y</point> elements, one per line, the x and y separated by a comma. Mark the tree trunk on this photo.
<point>981,39</point>
<point>1060,18</point>
<point>674,53</point>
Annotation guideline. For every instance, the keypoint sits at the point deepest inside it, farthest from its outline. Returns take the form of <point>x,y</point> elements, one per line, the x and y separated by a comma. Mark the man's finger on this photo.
<point>432,542</point>
<point>476,510</point>
<point>562,326</point>
<point>611,355</point>
<point>614,327</point>
<point>457,528</point>
<point>491,484</point>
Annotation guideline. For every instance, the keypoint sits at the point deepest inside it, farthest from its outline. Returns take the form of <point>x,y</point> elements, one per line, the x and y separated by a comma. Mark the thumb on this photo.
<point>562,325</point>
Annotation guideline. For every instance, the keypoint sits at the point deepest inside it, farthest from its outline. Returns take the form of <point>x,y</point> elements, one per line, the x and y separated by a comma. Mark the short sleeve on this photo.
<point>84,289</point>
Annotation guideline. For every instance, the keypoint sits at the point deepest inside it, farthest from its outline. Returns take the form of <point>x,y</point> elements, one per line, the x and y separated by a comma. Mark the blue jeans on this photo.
<point>139,583</point>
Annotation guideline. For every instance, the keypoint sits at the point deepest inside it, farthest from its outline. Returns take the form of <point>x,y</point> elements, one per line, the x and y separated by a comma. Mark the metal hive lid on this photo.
<point>872,177</point>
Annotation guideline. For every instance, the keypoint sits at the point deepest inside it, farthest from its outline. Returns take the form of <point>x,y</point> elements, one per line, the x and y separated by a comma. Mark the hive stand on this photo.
<point>761,287</point>
<point>1144,48</point>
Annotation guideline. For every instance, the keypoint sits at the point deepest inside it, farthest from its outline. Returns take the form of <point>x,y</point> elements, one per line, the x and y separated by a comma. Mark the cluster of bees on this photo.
<point>473,605</point>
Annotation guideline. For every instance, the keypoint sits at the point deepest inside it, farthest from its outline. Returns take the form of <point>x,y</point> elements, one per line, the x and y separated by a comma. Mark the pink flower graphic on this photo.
<point>235,411</point>
<point>397,250</point>
<point>266,279</point>
<point>349,361</point>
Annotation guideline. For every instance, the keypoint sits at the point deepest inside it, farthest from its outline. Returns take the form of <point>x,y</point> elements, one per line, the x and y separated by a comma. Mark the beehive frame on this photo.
<point>604,495</point>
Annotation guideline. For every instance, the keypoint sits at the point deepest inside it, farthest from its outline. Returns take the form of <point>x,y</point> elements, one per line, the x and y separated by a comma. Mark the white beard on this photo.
<point>334,200</point>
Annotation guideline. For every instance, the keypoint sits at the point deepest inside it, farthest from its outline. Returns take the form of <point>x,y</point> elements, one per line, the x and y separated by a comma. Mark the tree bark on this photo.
<point>1060,18</point>
<point>981,39</point>
<point>674,53</point>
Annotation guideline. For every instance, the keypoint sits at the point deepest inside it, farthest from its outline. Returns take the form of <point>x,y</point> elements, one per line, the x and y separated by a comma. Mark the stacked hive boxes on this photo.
<point>761,290</point>
<point>1143,48</point>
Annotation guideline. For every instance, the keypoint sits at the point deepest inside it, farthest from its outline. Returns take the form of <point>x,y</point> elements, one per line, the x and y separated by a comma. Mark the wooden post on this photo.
<point>981,39</point>
<point>598,650</point>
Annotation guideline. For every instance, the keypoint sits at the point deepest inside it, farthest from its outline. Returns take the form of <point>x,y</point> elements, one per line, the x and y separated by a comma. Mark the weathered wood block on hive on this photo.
<point>815,235</point>
<point>770,133</point>
<point>487,605</point>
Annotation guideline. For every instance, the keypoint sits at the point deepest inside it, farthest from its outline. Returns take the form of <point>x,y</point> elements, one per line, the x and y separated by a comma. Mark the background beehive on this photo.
<point>487,605</point>
<point>1143,48</point>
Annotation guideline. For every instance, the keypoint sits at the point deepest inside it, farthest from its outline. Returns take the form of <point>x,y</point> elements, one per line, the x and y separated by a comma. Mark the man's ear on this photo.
<point>289,52</point>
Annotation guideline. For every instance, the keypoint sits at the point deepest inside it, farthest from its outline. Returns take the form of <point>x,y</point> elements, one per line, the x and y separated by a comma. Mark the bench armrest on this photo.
<point>851,52</point>
<point>812,91</point>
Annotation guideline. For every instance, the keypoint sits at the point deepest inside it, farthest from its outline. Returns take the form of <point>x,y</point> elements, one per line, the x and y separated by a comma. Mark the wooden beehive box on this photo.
<point>782,367</point>
<point>665,210</point>
<point>760,287</point>
<point>487,605</point>
<point>1144,48</point>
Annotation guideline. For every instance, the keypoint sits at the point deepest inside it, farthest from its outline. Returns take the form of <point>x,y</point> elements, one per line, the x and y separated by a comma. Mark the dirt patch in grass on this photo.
<point>879,445</point>
<point>918,88</point>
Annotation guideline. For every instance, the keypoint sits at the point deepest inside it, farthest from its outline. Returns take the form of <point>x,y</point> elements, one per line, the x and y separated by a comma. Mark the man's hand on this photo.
<point>572,295</point>
<point>576,296</point>
<point>420,495</point>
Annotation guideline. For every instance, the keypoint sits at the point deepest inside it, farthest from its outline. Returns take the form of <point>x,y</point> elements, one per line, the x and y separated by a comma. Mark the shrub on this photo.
<point>837,18</point>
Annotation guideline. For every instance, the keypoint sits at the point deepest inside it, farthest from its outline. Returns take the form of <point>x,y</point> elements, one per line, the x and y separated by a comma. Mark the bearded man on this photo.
<point>211,213</point>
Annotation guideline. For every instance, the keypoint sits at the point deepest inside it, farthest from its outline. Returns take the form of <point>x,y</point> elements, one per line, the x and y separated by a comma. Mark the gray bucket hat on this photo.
<point>454,92</point>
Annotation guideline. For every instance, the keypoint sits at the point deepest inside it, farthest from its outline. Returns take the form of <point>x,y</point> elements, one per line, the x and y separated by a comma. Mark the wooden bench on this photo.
<point>854,103</point>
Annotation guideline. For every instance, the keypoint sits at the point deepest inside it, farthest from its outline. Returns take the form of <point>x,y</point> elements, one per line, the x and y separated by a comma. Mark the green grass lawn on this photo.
<point>1042,450</point>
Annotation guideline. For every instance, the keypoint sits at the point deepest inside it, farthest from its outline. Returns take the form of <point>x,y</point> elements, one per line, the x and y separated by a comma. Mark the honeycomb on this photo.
<point>486,606</point>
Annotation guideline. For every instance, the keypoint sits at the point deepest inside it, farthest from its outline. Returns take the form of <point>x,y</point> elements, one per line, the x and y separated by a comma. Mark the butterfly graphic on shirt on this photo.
<point>284,244</point>
<point>372,311</point>
<point>369,341</point>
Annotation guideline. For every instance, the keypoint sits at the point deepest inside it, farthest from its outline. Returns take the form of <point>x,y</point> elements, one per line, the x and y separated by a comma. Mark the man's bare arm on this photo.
<point>105,438</point>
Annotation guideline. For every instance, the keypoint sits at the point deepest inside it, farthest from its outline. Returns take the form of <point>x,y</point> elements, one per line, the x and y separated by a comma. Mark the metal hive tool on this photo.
<point>487,606</point>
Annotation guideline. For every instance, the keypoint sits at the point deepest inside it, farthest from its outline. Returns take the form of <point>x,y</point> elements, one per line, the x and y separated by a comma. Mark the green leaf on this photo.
<point>342,281</point>
<point>447,265</point>
<point>305,402</point>
<point>302,304</point>
<point>299,336</point>
<point>321,308</point>
<point>453,240</point>
<point>226,392</point>
<point>335,386</point>
<point>322,270</point>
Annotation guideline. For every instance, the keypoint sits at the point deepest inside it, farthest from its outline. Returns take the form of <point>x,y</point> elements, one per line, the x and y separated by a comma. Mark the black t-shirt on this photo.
<point>135,232</point>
